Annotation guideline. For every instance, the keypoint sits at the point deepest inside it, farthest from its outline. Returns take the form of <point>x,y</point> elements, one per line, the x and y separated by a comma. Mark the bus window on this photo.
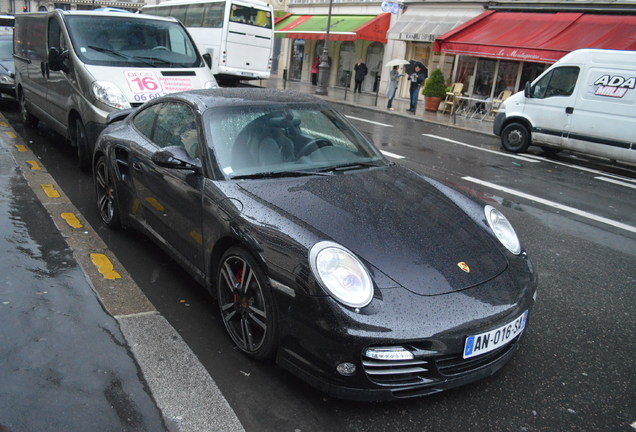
<point>194,16</point>
<point>214,15</point>
<point>251,16</point>
<point>178,12</point>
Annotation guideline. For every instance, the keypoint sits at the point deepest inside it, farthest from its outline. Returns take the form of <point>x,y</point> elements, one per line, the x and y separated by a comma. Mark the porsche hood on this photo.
<point>394,220</point>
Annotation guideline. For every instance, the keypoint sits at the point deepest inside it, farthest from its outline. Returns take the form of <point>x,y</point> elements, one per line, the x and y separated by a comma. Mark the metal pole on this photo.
<point>323,68</point>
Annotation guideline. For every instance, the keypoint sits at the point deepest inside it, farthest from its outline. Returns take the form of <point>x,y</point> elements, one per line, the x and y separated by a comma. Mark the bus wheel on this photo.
<point>515,138</point>
<point>83,150</point>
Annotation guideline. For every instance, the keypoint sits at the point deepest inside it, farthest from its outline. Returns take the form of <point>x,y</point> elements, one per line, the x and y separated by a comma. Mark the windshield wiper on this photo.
<point>350,166</point>
<point>153,59</point>
<point>278,174</point>
<point>118,54</point>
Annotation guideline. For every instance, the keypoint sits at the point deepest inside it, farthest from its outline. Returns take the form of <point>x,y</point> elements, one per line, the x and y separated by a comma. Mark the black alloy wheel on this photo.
<point>246,305</point>
<point>107,204</point>
<point>28,119</point>
<point>515,138</point>
<point>81,141</point>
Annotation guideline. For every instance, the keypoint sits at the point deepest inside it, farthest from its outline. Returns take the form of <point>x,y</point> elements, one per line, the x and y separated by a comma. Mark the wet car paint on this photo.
<point>279,220</point>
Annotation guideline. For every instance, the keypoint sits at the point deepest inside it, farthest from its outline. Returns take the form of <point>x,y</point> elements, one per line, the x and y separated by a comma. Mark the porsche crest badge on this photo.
<point>462,265</point>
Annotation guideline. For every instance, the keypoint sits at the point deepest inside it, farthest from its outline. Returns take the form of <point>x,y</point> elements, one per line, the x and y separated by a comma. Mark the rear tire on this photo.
<point>28,119</point>
<point>515,138</point>
<point>107,204</point>
<point>83,149</point>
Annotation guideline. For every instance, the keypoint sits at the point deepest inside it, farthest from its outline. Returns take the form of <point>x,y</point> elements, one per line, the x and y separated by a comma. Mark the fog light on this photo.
<point>346,369</point>
<point>389,353</point>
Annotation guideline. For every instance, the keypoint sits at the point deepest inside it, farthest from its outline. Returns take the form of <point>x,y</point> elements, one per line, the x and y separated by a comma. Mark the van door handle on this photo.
<point>569,110</point>
<point>137,167</point>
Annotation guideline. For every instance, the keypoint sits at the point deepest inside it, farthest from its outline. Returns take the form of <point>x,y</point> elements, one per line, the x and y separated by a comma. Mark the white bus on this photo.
<point>238,34</point>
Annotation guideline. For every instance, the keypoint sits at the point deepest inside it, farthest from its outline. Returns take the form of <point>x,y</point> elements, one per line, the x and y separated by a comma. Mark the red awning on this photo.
<point>538,37</point>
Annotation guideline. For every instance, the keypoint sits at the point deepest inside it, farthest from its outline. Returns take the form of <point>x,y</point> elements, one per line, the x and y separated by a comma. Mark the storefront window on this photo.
<point>296,62</point>
<point>484,77</point>
<point>506,76</point>
<point>345,65</point>
<point>530,71</point>
<point>465,72</point>
<point>375,52</point>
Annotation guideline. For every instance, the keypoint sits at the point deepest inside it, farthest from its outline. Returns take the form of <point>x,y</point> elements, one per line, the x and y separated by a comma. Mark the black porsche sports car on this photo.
<point>362,277</point>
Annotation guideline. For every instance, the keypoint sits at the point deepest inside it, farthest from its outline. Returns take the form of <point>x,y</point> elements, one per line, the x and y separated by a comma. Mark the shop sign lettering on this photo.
<point>614,86</point>
<point>517,54</point>
<point>418,37</point>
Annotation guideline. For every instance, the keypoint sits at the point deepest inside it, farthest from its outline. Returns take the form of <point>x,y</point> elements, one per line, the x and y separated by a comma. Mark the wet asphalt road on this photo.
<point>575,369</point>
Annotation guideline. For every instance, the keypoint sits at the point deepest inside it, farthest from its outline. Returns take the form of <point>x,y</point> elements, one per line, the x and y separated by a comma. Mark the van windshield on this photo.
<point>124,41</point>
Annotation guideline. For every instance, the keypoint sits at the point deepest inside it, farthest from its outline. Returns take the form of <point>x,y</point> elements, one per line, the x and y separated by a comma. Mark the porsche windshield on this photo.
<point>131,41</point>
<point>253,141</point>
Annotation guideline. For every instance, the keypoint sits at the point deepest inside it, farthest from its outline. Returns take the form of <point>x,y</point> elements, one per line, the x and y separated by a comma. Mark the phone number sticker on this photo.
<point>144,82</point>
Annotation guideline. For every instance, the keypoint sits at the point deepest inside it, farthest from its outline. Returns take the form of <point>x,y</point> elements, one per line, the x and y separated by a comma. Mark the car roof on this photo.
<point>246,96</point>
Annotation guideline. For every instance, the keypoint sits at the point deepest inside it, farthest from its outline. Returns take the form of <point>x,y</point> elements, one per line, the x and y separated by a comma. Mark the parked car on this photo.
<point>365,279</point>
<point>7,67</point>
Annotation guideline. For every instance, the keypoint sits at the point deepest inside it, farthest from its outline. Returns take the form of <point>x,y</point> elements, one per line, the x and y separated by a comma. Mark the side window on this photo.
<point>145,120</point>
<point>176,126</point>
<point>56,37</point>
<point>558,82</point>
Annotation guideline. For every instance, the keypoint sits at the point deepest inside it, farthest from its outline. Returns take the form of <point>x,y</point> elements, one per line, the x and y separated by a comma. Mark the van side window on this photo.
<point>558,82</point>
<point>56,37</point>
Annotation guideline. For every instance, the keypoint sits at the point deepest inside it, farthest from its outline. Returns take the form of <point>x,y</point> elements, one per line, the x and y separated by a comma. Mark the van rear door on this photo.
<point>551,104</point>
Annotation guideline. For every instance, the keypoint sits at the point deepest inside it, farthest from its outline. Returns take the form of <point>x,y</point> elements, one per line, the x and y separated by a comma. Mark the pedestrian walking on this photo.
<point>392,87</point>
<point>416,79</point>
<point>314,71</point>
<point>360,72</point>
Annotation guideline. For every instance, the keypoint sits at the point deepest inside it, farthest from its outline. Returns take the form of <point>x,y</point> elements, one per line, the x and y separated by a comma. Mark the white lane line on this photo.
<point>611,180</point>
<point>523,158</point>
<point>553,204</point>
<point>368,121</point>
<point>391,155</point>
<point>581,168</point>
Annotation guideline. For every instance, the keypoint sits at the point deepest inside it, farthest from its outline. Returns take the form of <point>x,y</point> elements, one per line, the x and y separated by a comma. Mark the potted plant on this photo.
<point>434,90</point>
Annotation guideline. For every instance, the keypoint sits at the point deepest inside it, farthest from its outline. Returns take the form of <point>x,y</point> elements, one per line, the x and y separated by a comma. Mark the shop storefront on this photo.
<point>501,50</point>
<point>350,37</point>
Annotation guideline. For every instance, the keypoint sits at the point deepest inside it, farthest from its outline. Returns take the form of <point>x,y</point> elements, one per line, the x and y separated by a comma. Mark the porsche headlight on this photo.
<point>502,229</point>
<point>6,79</point>
<point>341,274</point>
<point>108,93</point>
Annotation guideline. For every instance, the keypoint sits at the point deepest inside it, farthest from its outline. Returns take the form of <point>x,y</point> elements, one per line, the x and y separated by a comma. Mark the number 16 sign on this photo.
<point>143,82</point>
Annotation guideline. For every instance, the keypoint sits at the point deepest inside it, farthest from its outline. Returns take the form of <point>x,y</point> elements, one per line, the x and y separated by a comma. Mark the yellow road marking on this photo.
<point>21,148</point>
<point>4,124</point>
<point>11,134</point>
<point>197,237</point>
<point>104,266</point>
<point>50,191</point>
<point>72,220</point>
<point>34,165</point>
<point>156,204</point>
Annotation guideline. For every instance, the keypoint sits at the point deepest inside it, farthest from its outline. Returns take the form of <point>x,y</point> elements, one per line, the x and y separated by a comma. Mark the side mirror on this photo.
<point>208,59</point>
<point>526,90</point>
<point>58,61</point>
<point>176,157</point>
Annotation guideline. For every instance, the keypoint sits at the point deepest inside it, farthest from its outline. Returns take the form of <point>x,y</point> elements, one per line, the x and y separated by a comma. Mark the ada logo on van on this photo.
<point>614,86</point>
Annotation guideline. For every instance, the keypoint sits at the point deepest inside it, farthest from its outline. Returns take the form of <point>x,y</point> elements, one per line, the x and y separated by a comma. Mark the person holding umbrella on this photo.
<point>392,87</point>
<point>416,79</point>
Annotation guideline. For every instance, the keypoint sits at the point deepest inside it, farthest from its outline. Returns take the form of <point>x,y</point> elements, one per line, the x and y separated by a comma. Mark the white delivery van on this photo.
<point>585,102</point>
<point>75,67</point>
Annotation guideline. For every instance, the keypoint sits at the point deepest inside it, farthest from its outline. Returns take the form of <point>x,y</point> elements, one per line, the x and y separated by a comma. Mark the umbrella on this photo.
<point>410,68</point>
<point>396,62</point>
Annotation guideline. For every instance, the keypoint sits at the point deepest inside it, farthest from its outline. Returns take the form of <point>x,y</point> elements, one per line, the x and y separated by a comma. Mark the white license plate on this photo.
<point>493,339</point>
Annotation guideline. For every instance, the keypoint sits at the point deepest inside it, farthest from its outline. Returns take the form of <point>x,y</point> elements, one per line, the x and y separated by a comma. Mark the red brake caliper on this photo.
<point>239,279</point>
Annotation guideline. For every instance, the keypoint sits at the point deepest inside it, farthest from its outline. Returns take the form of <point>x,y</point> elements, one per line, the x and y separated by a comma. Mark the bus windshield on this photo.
<point>249,15</point>
<point>124,41</point>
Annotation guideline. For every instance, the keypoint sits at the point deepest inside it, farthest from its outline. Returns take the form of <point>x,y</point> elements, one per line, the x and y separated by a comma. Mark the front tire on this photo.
<point>83,149</point>
<point>515,138</point>
<point>246,304</point>
<point>107,203</point>
<point>28,119</point>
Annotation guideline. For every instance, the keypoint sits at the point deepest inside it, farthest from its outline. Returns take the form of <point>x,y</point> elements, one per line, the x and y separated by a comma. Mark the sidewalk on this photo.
<point>81,347</point>
<point>378,103</point>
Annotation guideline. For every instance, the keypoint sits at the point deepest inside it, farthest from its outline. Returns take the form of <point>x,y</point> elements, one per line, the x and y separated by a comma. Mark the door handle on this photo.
<point>137,167</point>
<point>569,110</point>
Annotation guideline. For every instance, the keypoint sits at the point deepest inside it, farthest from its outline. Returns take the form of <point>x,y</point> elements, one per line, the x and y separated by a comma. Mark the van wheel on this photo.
<point>515,138</point>
<point>81,142</point>
<point>28,119</point>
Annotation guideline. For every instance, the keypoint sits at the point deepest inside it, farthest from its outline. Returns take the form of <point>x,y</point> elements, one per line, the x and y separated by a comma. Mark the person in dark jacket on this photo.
<point>416,79</point>
<point>360,72</point>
